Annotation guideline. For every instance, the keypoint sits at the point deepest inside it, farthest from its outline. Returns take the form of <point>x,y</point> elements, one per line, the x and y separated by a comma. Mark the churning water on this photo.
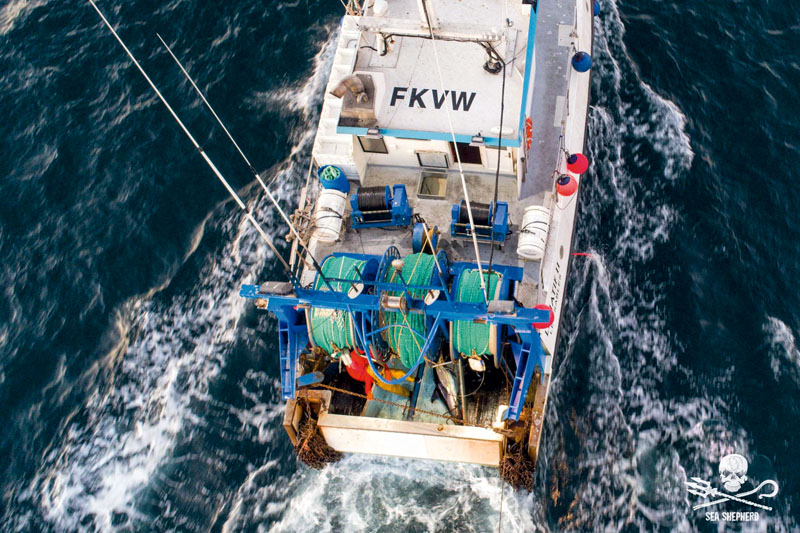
<point>139,392</point>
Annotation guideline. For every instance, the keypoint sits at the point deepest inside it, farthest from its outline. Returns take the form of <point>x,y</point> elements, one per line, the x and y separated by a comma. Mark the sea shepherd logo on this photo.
<point>424,98</point>
<point>733,475</point>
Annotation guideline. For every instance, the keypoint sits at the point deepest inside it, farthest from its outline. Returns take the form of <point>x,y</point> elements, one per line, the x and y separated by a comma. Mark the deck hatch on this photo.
<point>467,154</point>
<point>432,185</point>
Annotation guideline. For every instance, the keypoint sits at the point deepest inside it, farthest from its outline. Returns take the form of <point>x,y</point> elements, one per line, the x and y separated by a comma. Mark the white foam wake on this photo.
<point>362,493</point>
<point>619,455</point>
<point>784,353</point>
<point>13,10</point>
<point>171,352</point>
<point>177,350</point>
<point>305,98</point>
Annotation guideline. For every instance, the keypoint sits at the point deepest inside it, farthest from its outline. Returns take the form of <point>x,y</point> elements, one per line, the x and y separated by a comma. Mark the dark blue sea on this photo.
<point>138,392</point>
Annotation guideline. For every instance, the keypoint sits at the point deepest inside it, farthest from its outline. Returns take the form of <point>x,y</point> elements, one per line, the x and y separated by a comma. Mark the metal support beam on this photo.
<point>415,392</point>
<point>522,317</point>
<point>531,354</point>
<point>289,308</point>
<point>410,28</point>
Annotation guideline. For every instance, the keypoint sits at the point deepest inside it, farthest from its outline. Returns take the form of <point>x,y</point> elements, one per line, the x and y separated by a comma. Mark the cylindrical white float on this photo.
<point>329,214</point>
<point>533,232</point>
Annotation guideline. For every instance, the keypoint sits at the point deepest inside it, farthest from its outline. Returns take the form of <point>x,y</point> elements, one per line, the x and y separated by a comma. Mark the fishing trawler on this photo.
<point>431,243</point>
<point>449,158</point>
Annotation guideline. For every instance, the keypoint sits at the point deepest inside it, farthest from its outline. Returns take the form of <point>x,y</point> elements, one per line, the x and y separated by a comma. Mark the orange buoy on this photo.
<point>528,132</point>
<point>577,163</point>
<point>566,185</point>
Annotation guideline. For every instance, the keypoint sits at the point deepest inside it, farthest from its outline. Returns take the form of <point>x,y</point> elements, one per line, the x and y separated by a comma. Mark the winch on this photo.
<point>475,339</point>
<point>490,221</point>
<point>378,207</point>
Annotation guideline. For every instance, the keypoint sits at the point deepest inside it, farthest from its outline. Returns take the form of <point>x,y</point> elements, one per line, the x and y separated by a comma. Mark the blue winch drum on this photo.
<point>332,177</point>
<point>421,241</point>
<point>438,281</point>
<point>369,272</point>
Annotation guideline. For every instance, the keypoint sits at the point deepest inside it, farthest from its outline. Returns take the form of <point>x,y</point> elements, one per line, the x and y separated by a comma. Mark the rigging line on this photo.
<point>436,260</point>
<point>458,158</point>
<point>304,200</point>
<point>272,199</point>
<point>502,494</point>
<point>499,145</point>
<point>199,148</point>
<point>205,101</point>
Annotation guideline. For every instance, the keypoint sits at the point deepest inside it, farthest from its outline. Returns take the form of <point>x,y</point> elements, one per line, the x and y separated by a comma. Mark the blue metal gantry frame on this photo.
<point>293,333</point>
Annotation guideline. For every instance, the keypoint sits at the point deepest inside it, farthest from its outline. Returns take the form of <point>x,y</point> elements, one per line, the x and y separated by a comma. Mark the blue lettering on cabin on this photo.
<point>439,102</point>
<point>397,95</point>
<point>459,100</point>
<point>416,96</point>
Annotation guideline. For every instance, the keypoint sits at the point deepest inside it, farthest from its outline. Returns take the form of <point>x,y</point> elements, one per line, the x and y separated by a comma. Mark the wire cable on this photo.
<point>272,199</point>
<point>213,167</point>
<point>458,157</point>
<point>499,146</point>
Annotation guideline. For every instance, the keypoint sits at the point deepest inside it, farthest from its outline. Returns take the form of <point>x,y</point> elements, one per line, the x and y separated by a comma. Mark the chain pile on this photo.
<point>516,469</point>
<point>311,447</point>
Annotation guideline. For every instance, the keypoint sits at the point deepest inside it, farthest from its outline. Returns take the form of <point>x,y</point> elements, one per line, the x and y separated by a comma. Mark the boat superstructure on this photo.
<point>431,255</point>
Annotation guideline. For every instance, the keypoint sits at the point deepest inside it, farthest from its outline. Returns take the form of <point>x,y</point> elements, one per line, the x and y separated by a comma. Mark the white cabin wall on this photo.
<point>361,159</point>
<point>402,153</point>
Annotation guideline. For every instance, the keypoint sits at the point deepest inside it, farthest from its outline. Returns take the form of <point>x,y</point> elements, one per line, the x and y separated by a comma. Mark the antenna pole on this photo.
<point>272,199</point>
<point>200,149</point>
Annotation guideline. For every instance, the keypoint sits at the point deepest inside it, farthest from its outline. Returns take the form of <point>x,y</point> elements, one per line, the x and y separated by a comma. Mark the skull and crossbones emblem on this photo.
<point>733,475</point>
<point>733,471</point>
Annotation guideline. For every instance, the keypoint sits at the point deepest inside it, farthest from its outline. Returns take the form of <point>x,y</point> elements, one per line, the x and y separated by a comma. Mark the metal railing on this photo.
<point>354,7</point>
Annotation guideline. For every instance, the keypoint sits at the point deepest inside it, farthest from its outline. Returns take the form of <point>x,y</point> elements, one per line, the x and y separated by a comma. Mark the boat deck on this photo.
<point>403,120</point>
<point>484,401</point>
<point>437,213</point>
<point>552,50</point>
<point>398,409</point>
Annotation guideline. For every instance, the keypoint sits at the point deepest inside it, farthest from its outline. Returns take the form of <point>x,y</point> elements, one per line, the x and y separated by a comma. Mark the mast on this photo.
<point>272,199</point>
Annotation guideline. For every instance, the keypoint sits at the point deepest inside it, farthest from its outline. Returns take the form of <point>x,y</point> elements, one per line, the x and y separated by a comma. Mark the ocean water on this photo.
<point>140,393</point>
